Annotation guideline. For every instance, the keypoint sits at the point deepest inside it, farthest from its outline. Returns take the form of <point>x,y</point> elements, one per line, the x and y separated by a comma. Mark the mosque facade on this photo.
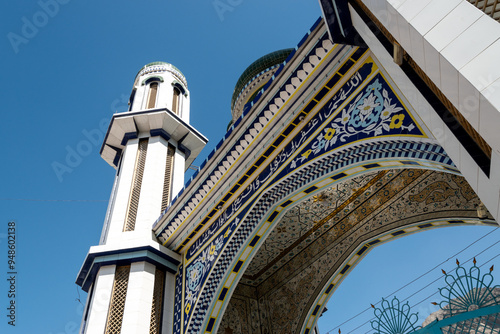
<point>380,123</point>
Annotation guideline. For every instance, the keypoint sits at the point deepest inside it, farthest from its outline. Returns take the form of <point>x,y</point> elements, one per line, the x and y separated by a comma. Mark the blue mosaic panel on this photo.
<point>374,111</point>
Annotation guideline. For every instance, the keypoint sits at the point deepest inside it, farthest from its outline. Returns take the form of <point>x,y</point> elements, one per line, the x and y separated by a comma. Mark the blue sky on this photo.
<point>66,67</point>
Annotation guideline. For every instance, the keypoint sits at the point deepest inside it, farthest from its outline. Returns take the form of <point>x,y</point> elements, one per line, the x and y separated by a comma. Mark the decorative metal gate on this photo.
<point>470,305</point>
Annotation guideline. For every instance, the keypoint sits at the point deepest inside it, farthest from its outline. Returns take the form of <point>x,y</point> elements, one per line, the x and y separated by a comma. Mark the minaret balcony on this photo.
<point>153,122</point>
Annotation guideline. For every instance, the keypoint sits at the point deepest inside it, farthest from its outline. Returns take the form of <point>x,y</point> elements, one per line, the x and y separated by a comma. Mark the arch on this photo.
<point>324,292</point>
<point>152,94</point>
<point>152,79</point>
<point>264,211</point>
<point>350,125</point>
<point>401,267</point>
<point>331,146</point>
<point>176,100</point>
<point>180,87</point>
<point>349,255</point>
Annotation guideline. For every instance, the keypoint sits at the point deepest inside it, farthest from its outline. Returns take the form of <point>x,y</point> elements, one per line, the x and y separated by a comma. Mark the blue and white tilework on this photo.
<point>341,134</point>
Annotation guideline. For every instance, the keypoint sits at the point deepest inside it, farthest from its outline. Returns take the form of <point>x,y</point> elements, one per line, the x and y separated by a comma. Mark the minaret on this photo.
<point>129,277</point>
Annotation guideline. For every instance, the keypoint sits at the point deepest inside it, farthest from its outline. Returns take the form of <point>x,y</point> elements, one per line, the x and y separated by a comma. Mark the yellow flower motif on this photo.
<point>188,308</point>
<point>329,133</point>
<point>212,249</point>
<point>306,153</point>
<point>397,121</point>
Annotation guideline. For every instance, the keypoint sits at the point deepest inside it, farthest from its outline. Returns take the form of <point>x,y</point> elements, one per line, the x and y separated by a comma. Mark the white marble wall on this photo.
<point>152,184</point>
<point>458,46</point>
<point>139,300</point>
<point>99,304</point>
<point>149,208</point>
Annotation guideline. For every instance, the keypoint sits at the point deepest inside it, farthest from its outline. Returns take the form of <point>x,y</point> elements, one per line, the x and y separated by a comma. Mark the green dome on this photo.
<point>261,64</point>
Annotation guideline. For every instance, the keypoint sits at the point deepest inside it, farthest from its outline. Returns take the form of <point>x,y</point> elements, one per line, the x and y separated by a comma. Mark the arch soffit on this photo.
<point>263,218</point>
<point>449,191</point>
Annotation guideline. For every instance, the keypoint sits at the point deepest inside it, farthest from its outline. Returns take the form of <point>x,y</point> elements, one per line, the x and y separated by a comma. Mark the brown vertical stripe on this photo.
<point>153,89</point>
<point>136,186</point>
<point>167,182</point>
<point>175,101</point>
<point>156,308</point>
<point>117,304</point>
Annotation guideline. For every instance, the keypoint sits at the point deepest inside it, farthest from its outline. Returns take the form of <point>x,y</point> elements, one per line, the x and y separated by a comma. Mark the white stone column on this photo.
<point>99,305</point>
<point>124,185</point>
<point>137,312</point>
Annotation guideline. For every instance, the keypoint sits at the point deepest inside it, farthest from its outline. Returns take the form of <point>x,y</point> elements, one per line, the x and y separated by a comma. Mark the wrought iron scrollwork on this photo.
<point>468,290</point>
<point>394,318</point>
<point>471,305</point>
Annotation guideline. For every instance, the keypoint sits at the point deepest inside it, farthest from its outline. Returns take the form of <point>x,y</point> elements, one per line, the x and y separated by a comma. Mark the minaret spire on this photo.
<point>150,145</point>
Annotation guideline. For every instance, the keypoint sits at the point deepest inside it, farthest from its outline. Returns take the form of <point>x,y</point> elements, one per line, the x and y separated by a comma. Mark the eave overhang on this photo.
<point>106,255</point>
<point>153,122</point>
